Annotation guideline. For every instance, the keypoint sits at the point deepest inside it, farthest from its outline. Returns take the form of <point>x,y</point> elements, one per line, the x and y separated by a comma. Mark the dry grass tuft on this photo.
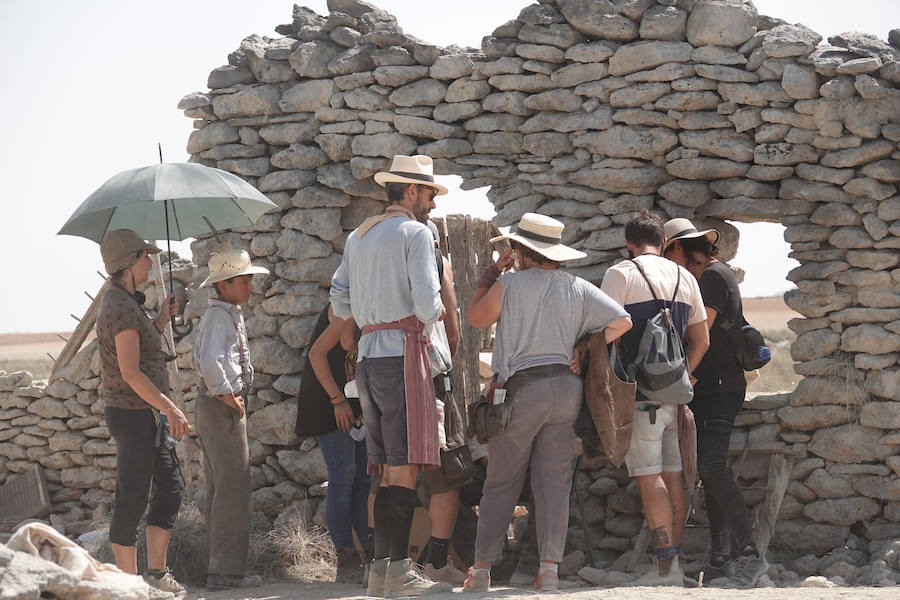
<point>293,550</point>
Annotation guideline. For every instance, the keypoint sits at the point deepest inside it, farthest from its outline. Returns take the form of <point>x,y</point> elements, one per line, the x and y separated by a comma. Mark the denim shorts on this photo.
<point>382,396</point>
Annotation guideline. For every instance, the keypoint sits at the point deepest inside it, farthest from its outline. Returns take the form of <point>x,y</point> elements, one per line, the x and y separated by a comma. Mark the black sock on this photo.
<point>437,551</point>
<point>401,502</point>
<point>381,547</point>
<point>370,545</point>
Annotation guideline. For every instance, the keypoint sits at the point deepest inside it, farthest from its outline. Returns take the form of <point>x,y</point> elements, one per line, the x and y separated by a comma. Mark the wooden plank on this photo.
<point>767,448</point>
<point>780,469</point>
<point>80,334</point>
<point>23,497</point>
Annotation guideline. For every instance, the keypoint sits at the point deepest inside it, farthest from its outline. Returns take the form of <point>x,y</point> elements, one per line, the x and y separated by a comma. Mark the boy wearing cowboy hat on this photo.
<point>221,356</point>
<point>388,282</point>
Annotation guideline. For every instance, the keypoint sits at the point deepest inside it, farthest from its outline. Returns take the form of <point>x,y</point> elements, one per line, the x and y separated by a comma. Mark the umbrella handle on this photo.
<point>189,327</point>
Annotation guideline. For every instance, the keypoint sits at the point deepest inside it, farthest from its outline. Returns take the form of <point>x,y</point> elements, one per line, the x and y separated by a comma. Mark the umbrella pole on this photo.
<point>189,326</point>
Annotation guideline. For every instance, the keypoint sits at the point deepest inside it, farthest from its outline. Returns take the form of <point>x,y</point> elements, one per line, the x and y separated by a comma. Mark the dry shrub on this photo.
<point>778,375</point>
<point>293,550</point>
<point>290,550</point>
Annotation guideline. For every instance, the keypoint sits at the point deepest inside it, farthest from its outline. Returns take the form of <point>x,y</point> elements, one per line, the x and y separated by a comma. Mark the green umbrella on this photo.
<point>168,201</point>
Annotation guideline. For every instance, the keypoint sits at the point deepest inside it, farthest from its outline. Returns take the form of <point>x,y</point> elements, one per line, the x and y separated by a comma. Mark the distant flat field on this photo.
<point>31,346</point>
<point>769,314</point>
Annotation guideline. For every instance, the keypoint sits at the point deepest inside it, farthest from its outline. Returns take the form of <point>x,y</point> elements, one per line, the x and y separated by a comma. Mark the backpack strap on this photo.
<point>659,303</point>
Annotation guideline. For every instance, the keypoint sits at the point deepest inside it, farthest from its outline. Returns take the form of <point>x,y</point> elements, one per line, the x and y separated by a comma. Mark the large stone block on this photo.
<point>306,468</point>
<point>598,19</point>
<point>308,96</point>
<point>727,23</point>
<point>629,142</point>
<point>248,101</point>
<point>640,56</point>
<point>806,536</point>
<point>884,384</point>
<point>274,356</point>
<point>850,444</point>
<point>828,390</point>
<point>844,511</point>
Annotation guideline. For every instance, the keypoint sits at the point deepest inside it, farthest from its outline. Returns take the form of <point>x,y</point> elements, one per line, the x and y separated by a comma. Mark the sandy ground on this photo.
<point>324,591</point>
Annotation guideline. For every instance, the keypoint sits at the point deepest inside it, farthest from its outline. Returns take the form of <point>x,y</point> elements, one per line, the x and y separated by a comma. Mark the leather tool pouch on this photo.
<point>487,419</point>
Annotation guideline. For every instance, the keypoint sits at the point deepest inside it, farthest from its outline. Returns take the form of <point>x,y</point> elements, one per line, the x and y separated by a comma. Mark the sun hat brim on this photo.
<point>712,235</point>
<point>384,177</point>
<point>557,252</point>
<point>250,270</point>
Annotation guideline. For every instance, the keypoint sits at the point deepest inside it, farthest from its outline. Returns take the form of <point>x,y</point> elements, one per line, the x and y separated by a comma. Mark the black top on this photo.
<point>315,415</point>
<point>719,368</point>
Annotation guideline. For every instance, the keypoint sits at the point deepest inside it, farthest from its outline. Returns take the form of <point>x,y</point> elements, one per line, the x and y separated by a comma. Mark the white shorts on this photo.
<point>654,448</point>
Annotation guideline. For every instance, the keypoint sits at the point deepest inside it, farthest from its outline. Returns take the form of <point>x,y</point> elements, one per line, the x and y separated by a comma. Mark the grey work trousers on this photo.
<point>226,462</point>
<point>541,435</point>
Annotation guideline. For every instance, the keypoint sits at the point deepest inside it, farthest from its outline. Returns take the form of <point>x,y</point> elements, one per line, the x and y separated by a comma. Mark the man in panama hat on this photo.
<point>388,282</point>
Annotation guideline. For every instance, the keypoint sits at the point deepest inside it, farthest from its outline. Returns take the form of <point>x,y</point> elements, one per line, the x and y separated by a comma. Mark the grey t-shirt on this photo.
<point>544,312</point>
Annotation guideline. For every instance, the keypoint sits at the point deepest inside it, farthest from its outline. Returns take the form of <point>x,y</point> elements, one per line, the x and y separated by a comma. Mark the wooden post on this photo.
<point>469,252</point>
<point>780,468</point>
<point>174,382</point>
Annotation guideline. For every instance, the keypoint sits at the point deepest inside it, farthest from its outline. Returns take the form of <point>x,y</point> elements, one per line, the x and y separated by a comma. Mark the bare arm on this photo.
<point>318,358</point>
<point>697,338</point>
<point>710,317</point>
<point>128,356</point>
<point>448,298</point>
<point>484,307</point>
<point>617,328</point>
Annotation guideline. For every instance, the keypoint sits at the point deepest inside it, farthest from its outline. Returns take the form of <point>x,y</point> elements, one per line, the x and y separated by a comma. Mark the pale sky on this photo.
<point>92,86</point>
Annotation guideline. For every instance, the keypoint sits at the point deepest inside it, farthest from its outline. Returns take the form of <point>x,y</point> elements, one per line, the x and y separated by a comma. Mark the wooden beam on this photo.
<point>85,325</point>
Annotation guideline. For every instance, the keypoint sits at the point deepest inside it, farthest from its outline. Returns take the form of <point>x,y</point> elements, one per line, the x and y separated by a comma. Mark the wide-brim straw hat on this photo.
<point>683,229</point>
<point>418,169</point>
<point>542,234</point>
<point>228,264</point>
<point>120,247</point>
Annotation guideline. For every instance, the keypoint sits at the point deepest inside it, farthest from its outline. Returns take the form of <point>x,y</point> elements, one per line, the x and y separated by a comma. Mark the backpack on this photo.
<point>660,367</point>
<point>749,346</point>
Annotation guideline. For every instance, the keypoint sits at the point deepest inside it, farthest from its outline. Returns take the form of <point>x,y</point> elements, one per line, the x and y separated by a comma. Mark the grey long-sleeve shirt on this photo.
<point>388,274</point>
<point>221,336</point>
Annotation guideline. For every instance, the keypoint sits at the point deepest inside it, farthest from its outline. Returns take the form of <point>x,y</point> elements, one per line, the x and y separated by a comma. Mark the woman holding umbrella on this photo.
<point>134,388</point>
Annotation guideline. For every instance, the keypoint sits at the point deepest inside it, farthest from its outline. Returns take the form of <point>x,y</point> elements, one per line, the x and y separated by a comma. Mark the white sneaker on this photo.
<point>404,578</point>
<point>165,581</point>
<point>448,573</point>
<point>375,578</point>
<point>652,578</point>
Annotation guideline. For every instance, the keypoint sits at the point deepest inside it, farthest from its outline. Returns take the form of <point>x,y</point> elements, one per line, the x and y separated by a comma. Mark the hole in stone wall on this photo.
<point>763,256</point>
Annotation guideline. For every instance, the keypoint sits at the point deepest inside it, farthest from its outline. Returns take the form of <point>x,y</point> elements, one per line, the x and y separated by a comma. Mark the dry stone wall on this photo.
<point>586,110</point>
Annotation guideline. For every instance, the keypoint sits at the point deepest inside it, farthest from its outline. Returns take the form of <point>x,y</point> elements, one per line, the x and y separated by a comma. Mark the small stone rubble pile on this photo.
<point>585,110</point>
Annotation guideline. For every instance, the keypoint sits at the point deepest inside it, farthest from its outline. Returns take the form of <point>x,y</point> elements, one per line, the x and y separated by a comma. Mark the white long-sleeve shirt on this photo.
<point>221,341</point>
<point>388,274</point>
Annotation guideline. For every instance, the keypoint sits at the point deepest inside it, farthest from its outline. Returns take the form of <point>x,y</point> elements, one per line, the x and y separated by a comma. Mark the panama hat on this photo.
<point>542,234</point>
<point>120,247</point>
<point>228,264</point>
<point>683,229</point>
<point>417,169</point>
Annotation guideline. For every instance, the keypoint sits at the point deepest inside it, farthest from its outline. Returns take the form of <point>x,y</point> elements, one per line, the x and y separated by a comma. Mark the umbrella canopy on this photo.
<point>168,201</point>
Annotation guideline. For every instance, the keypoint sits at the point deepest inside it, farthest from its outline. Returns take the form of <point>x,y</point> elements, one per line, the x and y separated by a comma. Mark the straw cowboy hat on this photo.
<point>542,234</point>
<point>683,229</point>
<point>417,169</point>
<point>228,264</point>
